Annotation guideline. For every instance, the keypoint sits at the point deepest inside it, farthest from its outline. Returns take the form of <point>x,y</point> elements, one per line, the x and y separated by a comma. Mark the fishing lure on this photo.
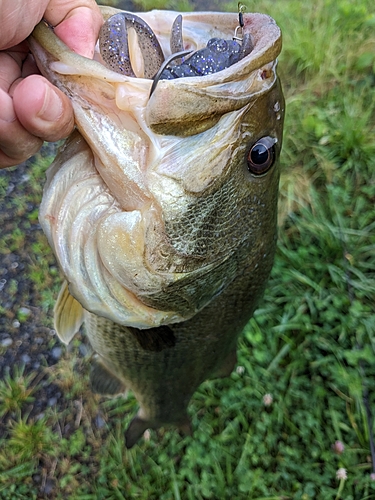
<point>218,54</point>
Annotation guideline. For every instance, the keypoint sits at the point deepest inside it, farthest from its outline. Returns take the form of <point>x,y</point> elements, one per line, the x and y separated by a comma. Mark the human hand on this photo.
<point>32,110</point>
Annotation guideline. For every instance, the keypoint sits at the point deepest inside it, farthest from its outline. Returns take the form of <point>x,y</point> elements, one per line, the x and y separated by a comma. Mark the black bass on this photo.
<point>161,208</point>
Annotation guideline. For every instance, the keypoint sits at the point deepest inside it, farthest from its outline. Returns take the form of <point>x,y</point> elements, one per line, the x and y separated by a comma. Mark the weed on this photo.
<point>3,186</point>
<point>16,391</point>
<point>32,440</point>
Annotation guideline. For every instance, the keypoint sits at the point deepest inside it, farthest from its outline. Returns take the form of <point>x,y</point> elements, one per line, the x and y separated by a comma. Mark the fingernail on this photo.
<point>52,107</point>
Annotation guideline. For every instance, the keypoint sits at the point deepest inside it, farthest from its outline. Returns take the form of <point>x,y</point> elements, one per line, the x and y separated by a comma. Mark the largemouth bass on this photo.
<point>161,208</point>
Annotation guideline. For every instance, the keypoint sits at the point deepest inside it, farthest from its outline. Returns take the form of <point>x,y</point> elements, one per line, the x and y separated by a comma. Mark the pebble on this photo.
<point>39,340</point>
<point>56,352</point>
<point>10,188</point>
<point>83,349</point>
<point>16,324</point>
<point>49,486</point>
<point>52,401</point>
<point>25,358</point>
<point>99,421</point>
<point>25,311</point>
<point>6,342</point>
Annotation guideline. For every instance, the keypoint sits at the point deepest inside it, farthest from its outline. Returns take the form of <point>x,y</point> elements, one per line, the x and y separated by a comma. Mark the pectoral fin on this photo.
<point>68,314</point>
<point>104,382</point>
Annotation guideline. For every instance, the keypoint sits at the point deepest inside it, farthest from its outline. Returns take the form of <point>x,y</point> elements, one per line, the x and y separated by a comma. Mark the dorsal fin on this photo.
<point>68,314</point>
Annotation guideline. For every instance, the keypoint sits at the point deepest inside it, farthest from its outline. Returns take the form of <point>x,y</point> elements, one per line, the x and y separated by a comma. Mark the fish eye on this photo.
<point>261,156</point>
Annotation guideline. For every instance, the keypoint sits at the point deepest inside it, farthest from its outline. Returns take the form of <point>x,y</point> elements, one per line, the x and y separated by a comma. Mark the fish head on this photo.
<point>159,202</point>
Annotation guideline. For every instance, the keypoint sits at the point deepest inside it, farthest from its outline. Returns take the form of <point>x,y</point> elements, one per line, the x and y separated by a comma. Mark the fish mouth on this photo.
<point>128,46</point>
<point>199,28</point>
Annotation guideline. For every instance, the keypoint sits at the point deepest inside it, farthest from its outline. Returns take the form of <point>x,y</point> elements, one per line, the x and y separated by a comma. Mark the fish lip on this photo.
<point>217,86</point>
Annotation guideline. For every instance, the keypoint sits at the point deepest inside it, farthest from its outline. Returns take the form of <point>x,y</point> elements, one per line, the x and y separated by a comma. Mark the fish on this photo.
<point>161,207</point>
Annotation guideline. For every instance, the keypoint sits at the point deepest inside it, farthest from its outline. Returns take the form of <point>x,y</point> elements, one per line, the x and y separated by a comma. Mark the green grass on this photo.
<point>311,344</point>
<point>15,391</point>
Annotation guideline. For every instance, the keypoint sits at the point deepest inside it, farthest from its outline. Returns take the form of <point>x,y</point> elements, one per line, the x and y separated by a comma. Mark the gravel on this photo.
<point>27,337</point>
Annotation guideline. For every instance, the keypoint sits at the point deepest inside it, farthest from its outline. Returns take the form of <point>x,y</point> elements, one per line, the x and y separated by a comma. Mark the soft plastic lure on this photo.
<point>217,55</point>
